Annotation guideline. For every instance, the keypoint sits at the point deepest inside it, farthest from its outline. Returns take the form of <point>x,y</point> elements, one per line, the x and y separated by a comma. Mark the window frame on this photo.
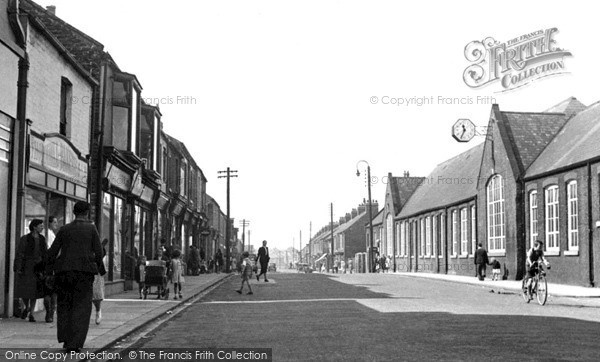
<point>552,219</point>
<point>572,217</point>
<point>496,225</point>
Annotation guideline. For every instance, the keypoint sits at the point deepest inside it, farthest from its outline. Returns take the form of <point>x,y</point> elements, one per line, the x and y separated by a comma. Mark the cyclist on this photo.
<point>535,255</point>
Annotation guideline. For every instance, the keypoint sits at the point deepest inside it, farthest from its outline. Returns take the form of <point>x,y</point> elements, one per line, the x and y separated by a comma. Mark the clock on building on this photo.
<point>463,130</point>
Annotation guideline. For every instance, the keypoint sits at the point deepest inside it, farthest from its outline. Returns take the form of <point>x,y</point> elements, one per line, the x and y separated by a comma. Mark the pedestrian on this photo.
<point>75,257</point>
<point>496,268</point>
<point>140,276</point>
<point>350,266</point>
<point>194,260</point>
<point>481,260</point>
<point>263,258</point>
<point>29,268</point>
<point>50,293</point>
<point>98,287</point>
<point>177,273</point>
<point>218,260</point>
<point>246,273</point>
<point>343,266</point>
<point>323,268</point>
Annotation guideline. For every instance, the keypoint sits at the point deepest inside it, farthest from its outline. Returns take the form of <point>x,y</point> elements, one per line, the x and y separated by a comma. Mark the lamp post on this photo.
<point>371,261</point>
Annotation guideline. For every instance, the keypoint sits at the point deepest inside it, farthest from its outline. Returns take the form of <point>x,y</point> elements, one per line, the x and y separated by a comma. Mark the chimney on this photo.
<point>51,9</point>
<point>342,220</point>
<point>354,213</point>
<point>348,217</point>
<point>406,174</point>
<point>361,208</point>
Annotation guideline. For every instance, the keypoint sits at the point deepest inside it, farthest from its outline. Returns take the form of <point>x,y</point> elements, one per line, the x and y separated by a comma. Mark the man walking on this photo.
<point>75,257</point>
<point>481,260</point>
<point>263,258</point>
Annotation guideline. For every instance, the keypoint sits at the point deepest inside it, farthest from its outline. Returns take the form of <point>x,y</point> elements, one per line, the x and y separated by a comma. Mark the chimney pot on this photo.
<point>51,9</point>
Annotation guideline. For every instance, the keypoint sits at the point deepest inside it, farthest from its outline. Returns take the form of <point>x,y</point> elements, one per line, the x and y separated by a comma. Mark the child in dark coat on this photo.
<point>246,272</point>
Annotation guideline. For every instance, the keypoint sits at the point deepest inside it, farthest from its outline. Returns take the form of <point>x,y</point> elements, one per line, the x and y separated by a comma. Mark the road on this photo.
<point>383,317</point>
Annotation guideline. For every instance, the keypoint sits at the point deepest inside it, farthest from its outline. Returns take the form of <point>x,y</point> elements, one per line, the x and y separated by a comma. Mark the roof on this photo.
<point>569,107</point>
<point>530,133</point>
<point>345,226</point>
<point>576,142</point>
<point>378,218</point>
<point>450,182</point>
<point>402,188</point>
<point>88,52</point>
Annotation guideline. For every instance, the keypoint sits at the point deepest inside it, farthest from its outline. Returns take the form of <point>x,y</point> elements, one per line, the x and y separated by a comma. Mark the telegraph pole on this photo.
<point>309,246</point>
<point>332,257</point>
<point>244,223</point>
<point>229,173</point>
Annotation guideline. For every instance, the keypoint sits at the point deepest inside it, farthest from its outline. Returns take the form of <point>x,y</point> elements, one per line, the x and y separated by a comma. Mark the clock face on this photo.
<point>463,130</point>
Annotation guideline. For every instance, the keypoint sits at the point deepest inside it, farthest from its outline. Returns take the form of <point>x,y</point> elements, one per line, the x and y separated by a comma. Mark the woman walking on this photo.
<point>29,267</point>
<point>98,287</point>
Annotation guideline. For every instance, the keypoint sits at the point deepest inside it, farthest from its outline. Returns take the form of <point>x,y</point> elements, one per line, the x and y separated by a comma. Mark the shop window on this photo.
<point>118,237</point>
<point>35,208</point>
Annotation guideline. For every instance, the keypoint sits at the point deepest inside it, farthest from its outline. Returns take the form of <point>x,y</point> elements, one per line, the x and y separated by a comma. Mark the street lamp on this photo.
<point>370,212</point>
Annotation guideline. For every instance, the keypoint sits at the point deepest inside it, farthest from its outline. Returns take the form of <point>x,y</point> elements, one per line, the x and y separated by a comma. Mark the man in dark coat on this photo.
<point>481,260</point>
<point>263,258</point>
<point>75,257</point>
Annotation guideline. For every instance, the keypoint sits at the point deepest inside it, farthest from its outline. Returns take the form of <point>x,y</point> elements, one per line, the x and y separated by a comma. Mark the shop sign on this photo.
<point>55,154</point>
<point>118,178</point>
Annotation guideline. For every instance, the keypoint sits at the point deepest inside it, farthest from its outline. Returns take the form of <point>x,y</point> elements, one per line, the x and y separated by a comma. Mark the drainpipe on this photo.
<point>591,225</point>
<point>19,167</point>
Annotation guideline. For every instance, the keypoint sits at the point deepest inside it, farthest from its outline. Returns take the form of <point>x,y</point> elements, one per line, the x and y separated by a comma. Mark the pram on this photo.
<point>156,276</point>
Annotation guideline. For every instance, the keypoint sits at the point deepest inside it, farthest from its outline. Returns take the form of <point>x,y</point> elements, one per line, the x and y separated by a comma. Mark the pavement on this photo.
<point>122,314</point>
<point>558,290</point>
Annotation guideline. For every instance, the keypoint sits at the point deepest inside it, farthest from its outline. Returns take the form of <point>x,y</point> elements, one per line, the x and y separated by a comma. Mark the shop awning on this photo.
<point>321,258</point>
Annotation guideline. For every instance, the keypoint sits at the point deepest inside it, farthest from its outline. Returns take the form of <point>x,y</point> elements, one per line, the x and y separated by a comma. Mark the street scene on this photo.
<point>283,181</point>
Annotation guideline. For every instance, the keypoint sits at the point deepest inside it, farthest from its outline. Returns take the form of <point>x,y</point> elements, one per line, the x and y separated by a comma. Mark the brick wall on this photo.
<point>47,67</point>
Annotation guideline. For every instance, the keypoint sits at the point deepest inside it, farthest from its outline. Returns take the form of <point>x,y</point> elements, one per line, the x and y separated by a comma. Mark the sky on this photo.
<point>293,94</point>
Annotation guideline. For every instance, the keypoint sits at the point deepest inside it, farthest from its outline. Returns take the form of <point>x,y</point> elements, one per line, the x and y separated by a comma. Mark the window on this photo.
<point>182,179</point>
<point>66,94</point>
<point>573,219</point>
<point>464,232</point>
<point>454,233</point>
<point>164,155</point>
<point>422,238</point>
<point>533,218</point>
<point>148,138</point>
<point>133,134</point>
<point>389,235</point>
<point>495,202</point>
<point>442,236</point>
<point>434,235</point>
<point>552,218</point>
<point>403,238</point>
<point>428,236</point>
<point>473,230</point>
<point>397,228</point>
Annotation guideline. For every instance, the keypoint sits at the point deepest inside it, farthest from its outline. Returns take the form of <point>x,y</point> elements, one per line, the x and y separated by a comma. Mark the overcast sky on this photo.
<point>281,91</point>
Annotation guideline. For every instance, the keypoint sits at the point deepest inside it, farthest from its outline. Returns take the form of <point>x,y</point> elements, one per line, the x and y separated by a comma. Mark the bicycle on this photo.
<point>539,286</point>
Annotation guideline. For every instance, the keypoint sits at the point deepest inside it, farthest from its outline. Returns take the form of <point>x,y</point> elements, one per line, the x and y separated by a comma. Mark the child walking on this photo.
<point>246,272</point>
<point>176,273</point>
<point>496,269</point>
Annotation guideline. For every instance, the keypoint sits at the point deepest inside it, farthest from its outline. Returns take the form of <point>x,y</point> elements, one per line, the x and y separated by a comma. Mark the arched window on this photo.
<point>389,235</point>
<point>573,218</point>
<point>552,219</point>
<point>495,214</point>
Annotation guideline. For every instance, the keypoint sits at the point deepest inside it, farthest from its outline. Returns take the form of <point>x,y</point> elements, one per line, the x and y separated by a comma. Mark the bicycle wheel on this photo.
<point>542,290</point>
<point>524,290</point>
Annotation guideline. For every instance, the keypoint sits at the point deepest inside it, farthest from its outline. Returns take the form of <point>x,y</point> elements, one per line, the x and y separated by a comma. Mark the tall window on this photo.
<point>428,236</point>
<point>422,238</point>
<point>552,218</point>
<point>573,220</point>
<point>495,200</point>
<point>442,236</point>
<point>454,232</point>
<point>389,235</point>
<point>397,228</point>
<point>533,218</point>
<point>473,230</point>
<point>464,232</point>
<point>66,93</point>
<point>403,238</point>
<point>434,233</point>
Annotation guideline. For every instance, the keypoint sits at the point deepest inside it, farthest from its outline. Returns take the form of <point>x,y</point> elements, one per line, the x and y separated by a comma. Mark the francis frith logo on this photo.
<point>514,63</point>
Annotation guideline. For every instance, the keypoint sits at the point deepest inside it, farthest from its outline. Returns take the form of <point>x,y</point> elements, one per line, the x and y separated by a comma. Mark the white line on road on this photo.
<point>292,300</point>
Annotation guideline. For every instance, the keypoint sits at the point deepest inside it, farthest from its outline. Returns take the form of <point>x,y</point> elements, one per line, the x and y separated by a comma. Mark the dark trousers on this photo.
<point>480,271</point>
<point>74,307</point>
<point>263,270</point>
